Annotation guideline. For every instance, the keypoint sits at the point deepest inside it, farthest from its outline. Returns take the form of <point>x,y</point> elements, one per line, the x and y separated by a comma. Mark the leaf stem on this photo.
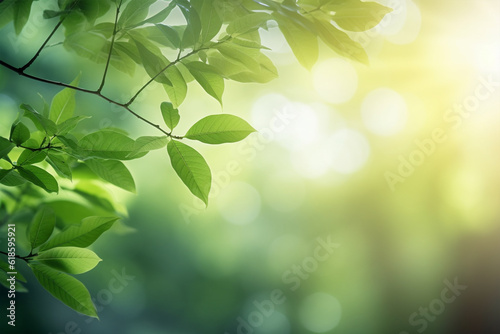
<point>26,258</point>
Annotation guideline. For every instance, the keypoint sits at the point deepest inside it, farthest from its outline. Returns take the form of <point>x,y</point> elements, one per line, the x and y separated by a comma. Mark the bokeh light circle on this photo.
<point>384,112</point>
<point>239,203</point>
<point>346,151</point>
<point>320,312</point>
<point>284,191</point>
<point>335,80</point>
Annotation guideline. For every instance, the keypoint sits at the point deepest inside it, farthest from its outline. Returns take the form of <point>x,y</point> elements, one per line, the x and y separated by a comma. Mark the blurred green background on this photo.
<point>318,168</point>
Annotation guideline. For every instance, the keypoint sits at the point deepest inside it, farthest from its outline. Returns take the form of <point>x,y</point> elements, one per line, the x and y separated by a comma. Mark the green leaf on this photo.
<point>210,21</point>
<point>88,44</point>
<point>71,260</point>
<point>69,124</point>
<point>247,23</point>
<point>19,133</point>
<point>170,34</point>
<point>5,147</point>
<point>5,267</point>
<point>63,104</point>
<point>135,12</point>
<point>60,164</point>
<point>208,78</point>
<point>107,144</point>
<point>356,15</point>
<point>170,115</point>
<point>241,55</point>
<point>177,89</point>
<point>304,43</point>
<point>10,178</point>
<point>29,157</point>
<point>42,226</point>
<point>149,143</point>
<point>22,9</point>
<point>39,177</point>
<point>193,29</point>
<point>154,63</point>
<point>160,16</point>
<point>112,171</point>
<point>219,129</point>
<point>41,122</point>
<point>340,42</point>
<point>81,235</point>
<point>66,288</point>
<point>192,169</point>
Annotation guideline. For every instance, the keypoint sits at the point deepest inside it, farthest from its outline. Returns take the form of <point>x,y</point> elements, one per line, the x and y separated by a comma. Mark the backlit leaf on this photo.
<point>192,169</point>
<point>218,129</point>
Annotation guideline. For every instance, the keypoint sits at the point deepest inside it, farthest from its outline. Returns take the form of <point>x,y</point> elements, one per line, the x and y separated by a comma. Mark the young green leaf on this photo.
<point>170,115</point>
<point>39,177</point>
<point>193,29</point>
<point>22,9</point>
<point>208,78</point>
<point>210,21</point>
<point>69,124</point>
<point>149,143</point>
<point>71,260</point>
<point>153,61</point>
<point>5,147</point>
<point>170,34</point>
<point>113,171</point>
<point>66,288</point>
<point>81,235</point>
<point>135,12</point>
<point>29,157</point>
<point>19,133</point>
<point>192,169</point>
<point>42,226</point>
<point>60,164</point>
<point>5,267</point>
<point>356,15</point>
<point>303,43</point>
<point>63,104</point>
<point>107,144</point>
<point>340,42</point>
<point>10,178</point>
<point>219,129</point>
<point>177,89</point>
<point>247,23</point>
<point>41,122</point>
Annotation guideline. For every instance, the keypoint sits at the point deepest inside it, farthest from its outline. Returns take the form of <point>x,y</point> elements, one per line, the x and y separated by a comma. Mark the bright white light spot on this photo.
<point>239,203</point>
<point>284,191</point>
<point>268,108</point>
<point>346,151</point>
<point>301,130</point>
<point>393,22</point>
<point>335,80</point>
<point>320,312</point>
<point>310,162</point>
<point>384,112</point>
<point>411,27</point>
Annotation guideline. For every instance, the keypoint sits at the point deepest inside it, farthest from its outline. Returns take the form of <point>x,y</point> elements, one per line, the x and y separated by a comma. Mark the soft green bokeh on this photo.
<point>316,169</point>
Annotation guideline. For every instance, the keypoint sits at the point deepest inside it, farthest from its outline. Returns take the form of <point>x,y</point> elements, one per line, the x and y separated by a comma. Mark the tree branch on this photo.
<point>25,258</point>
<point>110,48</point>
<point>28,64</point>
<point>132,99</point>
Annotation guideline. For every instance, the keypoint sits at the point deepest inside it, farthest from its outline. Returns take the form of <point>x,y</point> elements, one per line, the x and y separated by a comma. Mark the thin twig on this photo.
<point>28,64</point>
<point>110,48</point>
